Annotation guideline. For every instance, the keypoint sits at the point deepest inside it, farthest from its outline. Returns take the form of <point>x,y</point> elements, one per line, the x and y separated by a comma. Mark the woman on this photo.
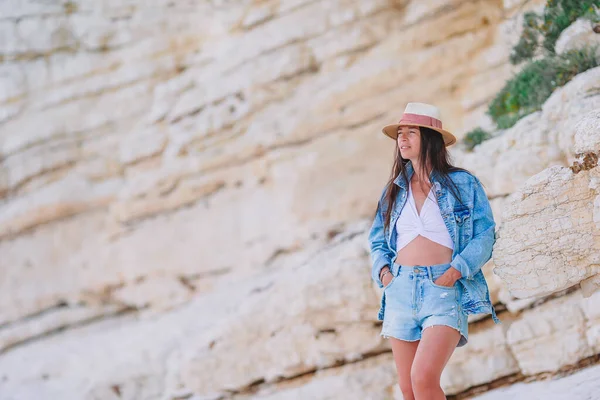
<point>432,233</point>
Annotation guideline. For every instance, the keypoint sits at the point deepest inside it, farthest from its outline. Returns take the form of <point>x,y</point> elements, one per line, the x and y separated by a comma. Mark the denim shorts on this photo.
<point>411,302</point>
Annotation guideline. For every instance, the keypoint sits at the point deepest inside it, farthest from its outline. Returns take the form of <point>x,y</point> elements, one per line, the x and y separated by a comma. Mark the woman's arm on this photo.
<point>381,255</point>
<point>479,249</point>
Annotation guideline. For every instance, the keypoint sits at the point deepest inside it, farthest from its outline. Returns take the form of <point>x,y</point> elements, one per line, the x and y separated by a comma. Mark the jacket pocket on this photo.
<point>464,223</point>
<point>461,214</point>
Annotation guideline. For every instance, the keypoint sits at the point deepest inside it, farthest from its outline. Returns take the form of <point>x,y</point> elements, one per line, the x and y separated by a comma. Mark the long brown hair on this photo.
<point>433,155</point>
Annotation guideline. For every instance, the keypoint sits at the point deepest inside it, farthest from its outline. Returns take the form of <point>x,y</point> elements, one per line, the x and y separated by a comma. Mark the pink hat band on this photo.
<point>420,114</point>
<point>408,118</point>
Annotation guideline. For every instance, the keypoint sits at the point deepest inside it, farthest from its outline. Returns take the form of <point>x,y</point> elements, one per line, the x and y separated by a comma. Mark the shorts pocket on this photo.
<point>381,311</point>
<point>391,282</point>
<point>440,286</point>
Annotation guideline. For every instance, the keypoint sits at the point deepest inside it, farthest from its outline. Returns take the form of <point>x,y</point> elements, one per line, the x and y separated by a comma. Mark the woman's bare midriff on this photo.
<point>422,251</point>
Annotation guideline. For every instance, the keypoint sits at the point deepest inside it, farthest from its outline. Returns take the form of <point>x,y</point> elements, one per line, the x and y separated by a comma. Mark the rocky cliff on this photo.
<point>185,189</point>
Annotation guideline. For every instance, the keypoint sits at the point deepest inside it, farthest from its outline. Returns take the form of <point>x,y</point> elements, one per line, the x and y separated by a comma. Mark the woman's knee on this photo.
<point>421,378</point>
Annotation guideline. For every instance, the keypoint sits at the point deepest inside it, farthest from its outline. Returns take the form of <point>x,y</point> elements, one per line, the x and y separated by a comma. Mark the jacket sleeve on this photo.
<point>381,254</point>
<point>479,249</point>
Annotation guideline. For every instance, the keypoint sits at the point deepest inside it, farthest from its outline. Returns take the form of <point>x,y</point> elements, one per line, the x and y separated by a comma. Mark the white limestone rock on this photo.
<point>305,318</point>
<point>373,378</point>
<point>52,321</point>
<point>580,385</point>
<point>486,357</point>
<point>549,239</point>
<point>550,336</point>
<point>590,285</point>
<point>587,133</point>
<point>591,311</point>
<point>537,141</point>
<point>580,34</point>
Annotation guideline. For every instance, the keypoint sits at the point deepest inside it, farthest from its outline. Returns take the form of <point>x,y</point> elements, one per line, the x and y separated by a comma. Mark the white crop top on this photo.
<point>429,224</point>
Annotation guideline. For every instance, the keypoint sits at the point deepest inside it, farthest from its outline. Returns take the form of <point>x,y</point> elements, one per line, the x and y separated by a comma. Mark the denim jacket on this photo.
<point>472,229</point>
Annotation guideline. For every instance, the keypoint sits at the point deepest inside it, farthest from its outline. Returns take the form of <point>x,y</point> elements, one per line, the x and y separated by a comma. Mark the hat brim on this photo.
<point>392,132</point>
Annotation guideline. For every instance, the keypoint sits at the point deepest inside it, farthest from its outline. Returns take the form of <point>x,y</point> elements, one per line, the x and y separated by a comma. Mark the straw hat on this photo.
<point>421,114</point>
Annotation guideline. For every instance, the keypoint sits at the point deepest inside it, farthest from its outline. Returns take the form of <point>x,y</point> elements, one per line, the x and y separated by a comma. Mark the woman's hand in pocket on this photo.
<point>448,278</point>
<point>387,279</point>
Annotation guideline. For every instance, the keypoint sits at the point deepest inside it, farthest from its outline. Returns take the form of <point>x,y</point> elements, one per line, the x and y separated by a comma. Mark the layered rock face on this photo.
<point>186,190</point>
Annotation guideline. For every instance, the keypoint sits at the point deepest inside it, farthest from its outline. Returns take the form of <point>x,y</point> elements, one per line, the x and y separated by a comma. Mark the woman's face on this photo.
<point>409,142</point>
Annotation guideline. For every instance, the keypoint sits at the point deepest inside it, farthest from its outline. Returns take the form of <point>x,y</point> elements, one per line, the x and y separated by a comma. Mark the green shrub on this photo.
<point>530,88</point>
<point>475,137</point>
<point>559,14</point>
<point>527,90</point>
<point>545,29</point>
<point>528,43</point>
<point>593,14</point>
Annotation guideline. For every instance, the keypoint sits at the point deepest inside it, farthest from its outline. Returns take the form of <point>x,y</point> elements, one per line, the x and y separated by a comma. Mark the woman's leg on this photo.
<point>437,344</point>
<point>404,353</point>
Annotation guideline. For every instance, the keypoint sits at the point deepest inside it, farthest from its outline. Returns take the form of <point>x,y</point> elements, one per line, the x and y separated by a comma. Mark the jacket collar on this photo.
<point>409,172</point>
